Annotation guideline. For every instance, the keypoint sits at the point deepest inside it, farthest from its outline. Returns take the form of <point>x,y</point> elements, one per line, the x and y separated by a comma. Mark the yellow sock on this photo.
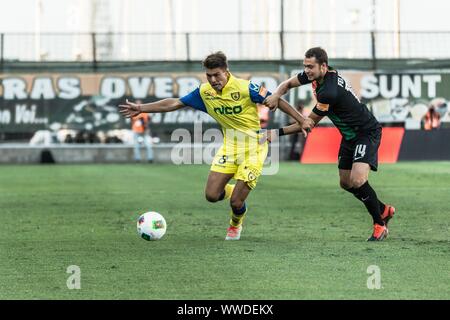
<point>228,191</point>
<point>237,220</point>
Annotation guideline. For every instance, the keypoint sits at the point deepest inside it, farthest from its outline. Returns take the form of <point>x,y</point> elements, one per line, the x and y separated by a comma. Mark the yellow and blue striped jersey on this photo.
<point>233,108</point>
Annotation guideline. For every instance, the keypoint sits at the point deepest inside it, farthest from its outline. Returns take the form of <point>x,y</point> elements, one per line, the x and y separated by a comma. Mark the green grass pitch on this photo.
<point>303,238</point>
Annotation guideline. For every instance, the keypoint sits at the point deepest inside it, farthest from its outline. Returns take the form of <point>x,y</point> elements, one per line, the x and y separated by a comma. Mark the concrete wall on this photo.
<point>80,153</point>
<point>112,153</point>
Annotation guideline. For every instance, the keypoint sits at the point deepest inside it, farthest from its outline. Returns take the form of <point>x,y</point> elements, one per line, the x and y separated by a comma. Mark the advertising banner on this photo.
<point>88,101</point>
<point>30,102</point>
<point>393,97</point>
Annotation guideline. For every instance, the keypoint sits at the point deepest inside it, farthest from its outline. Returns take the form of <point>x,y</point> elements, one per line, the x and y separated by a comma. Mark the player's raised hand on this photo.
<point>130,109</point>
<point>305,132</point>
<point>307,126</point>
<point>271,102</point>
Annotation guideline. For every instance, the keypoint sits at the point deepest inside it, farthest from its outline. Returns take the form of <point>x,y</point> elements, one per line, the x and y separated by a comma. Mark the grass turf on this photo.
<point>304,238</point>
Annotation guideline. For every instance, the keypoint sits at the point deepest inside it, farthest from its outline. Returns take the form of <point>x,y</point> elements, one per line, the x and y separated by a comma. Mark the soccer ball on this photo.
<point>151,226</point>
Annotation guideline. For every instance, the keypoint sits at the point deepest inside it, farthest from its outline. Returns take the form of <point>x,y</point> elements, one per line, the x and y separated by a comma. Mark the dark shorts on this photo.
<point>363,148</point>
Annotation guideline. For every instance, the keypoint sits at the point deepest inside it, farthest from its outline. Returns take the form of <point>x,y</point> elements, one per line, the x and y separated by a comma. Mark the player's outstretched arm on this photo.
<point>271,135</point>
<point>305,123</point>
<point>131,109</point>
<point>312,120</point>
<point>272,101</point>
<point>315,117</point>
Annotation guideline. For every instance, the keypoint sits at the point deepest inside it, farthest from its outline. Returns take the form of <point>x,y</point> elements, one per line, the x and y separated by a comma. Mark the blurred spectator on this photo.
<point>141,134</point>
<point>45,137</point>
<point>432,119</point>
<point>80,137</point>
<point>112,139</point>
<point>263,113</point>
<point>101,136</point>
<point>68,138</point>
<point>92,137</point>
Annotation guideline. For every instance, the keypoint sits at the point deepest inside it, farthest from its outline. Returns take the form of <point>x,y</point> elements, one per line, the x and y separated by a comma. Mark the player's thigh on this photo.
<point>250,169</point>
<point>224,161</point>
<point>366,149</point>
<point>345,155</point>
<point>216,183</point>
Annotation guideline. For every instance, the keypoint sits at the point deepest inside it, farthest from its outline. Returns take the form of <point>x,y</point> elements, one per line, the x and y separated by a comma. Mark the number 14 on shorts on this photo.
<point>360,151</point>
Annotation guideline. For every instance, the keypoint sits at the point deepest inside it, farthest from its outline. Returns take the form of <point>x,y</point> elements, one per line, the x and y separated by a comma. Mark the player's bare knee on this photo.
<point>212,196</point>
<point>358,181</point>
<point>236,203</point>
<point>345,184</point>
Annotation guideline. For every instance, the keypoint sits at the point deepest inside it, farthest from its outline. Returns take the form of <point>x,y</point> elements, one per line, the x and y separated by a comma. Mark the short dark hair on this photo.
<point>216,60</point>
<point>318,53</point>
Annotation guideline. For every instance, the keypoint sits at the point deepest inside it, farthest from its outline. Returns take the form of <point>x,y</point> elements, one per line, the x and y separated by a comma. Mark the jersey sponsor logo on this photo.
<point>360,152</point>
<point>228,110</point>
<point>235,96</point>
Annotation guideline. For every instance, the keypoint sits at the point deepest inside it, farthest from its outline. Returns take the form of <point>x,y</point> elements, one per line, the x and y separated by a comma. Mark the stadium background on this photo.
<point>68,64</point>
<point>56,81</point>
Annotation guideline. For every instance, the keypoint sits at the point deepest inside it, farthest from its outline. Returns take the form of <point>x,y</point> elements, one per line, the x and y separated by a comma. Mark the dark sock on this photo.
<point>351,190</point>
<point>240,211</point>
<point>382,206</point>
<point>237,216</point>
<point>368,196</point>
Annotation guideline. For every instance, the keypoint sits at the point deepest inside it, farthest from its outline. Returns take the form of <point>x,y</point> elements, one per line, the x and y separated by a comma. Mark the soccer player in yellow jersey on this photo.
<point>232,103</point>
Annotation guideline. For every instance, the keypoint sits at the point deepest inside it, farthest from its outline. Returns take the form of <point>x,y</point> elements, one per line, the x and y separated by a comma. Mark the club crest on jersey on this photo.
<point>236,96</point>
<point>251,176</point>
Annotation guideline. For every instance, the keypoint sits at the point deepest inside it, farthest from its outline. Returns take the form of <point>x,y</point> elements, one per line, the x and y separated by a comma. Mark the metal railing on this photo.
<point>237,45</point>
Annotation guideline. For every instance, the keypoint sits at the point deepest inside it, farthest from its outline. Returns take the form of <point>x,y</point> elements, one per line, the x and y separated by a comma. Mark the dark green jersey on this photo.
<point>336,99</point>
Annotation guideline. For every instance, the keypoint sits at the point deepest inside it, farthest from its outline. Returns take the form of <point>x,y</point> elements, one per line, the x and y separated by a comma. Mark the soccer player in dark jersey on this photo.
<point>361,132</point>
